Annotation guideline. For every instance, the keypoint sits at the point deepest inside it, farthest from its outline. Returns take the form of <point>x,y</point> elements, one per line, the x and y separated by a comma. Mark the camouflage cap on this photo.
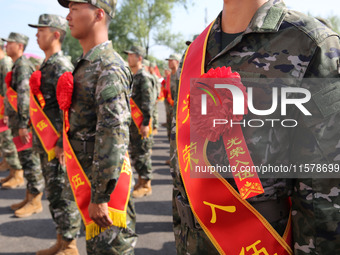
<point>153,64</point>
<point>16,37</point>
<point>146,62</point>
<point>139,50</point>
<point>174,57</point>
<point>109,6</point>
<point>50,20</point>
<point>193,39</point>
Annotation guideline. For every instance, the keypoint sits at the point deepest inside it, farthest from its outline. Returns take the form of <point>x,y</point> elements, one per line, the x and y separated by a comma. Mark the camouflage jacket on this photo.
<point>22,70</point>
<point>281,43</point>
<point>143,95</point>
<point>157,85</point>
<point>100,112</point>
<point>5,67</point>
<point>173,85</point>
<point>51,69</point>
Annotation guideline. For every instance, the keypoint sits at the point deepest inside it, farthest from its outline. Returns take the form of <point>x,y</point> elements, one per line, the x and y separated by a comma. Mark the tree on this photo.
<point>71,47</point>
<point>335,22</point>
<point>140,21</point>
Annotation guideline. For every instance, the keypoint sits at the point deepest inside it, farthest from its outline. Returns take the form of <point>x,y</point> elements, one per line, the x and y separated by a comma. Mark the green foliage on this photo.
<point>140,21</point>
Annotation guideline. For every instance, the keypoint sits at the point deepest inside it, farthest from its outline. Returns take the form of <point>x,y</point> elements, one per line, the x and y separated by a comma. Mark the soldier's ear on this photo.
<point>100,14</point>
<point>56,35</point>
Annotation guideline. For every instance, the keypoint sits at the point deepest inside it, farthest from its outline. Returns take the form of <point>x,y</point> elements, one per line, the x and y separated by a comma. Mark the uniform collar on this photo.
<point>51,59</point>
<point>94,53</point>
<point>267,19</point>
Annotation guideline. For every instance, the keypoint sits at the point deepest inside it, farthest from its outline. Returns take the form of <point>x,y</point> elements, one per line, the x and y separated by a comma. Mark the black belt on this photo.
<point>82,146</point>
<point>273,210</point>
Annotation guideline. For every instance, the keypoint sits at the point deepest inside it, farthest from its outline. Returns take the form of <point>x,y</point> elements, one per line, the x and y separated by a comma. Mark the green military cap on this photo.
<point>139,50</point>
<point>16,37</point>
<point>146,62</point>
<point>193,39</point>
<point>109,6</point>
<point>174,57</point>
<point>50,20</point>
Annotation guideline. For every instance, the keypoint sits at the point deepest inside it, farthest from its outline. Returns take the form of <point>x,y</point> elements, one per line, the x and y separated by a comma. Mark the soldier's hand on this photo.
<point>5,120</point>
<point>144,131</point>
<point>24,136</point>
<point>99,213</point>
<point>59,154</point>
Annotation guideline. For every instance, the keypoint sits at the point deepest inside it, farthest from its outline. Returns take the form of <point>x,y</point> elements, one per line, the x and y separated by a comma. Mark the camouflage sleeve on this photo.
<point>315,201</point>
<point>112,132</point>
<point>147,99</point>
<point>4,69</point>
<point>23,91</point>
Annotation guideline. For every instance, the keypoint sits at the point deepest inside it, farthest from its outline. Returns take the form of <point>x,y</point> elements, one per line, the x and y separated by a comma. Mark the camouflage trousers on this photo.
<point>106,242</point>
<point>64,211</point>
<point>168,109</point>
<point>9,150</point>
<point>155,117</point>
<point>141,153</point>
<point>30,163</point>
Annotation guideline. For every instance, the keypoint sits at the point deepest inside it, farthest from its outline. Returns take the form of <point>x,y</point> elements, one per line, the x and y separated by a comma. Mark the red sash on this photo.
<point>168,90</point>
<point>43,127</point>
<point>12,98</point>
<point>230,222</point>
<point>81,186</point>
<point>137,116</point>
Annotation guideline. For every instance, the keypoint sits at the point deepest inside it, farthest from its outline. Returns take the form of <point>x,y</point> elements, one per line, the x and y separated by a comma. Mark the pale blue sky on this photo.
<point>16,14</point>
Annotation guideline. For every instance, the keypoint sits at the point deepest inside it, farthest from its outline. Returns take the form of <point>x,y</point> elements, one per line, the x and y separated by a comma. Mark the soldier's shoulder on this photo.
<point>310,26</point>
<point>63,62</point>
<point>24,65</point>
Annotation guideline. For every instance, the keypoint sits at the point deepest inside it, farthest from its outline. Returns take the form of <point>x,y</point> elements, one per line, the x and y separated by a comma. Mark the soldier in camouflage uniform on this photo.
<point>51,33</point>
<point>264,47</point>
<point>19,124</point>
<point>157,90</point>
<point>173,62</point>
<point>10,154</point>
<point>141,141</point>
<point>99,119</point>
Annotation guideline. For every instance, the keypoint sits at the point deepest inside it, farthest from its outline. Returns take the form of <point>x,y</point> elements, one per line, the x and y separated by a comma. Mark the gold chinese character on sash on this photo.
<point>33,110</point>
<point>187,153</point>
<point>250,187</point>
<point>254,250</point>
<point>13,97</point>
<point>67,156</point>
<point>136,115</point>
<point>233,141</point>
<point>186,108</point>
<point>244,175</point>
<point>42,125</point>
<point>77,181</point>
<point>126,168</point>
<point>236,152</point>
<point>230,209</point>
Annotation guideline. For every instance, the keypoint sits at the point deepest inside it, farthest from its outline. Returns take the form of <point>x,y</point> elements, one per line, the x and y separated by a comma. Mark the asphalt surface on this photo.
<point>27,235</point>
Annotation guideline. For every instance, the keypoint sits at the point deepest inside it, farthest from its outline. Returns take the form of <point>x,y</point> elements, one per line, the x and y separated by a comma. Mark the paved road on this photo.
<point>26,236</point>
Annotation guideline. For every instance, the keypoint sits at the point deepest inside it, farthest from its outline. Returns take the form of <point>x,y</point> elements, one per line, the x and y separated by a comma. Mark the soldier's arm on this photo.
<point>147,98</point>
<point>23,90</point>
<point>324,105</point>
<point>112,132</point>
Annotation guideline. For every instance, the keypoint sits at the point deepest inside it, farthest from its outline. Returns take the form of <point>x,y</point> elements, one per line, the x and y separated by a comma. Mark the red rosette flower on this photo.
<point>219,103</point>
<point>65,91</point>
<point>64,95</point>
<point>8,79</point>
<point>35,83</point>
